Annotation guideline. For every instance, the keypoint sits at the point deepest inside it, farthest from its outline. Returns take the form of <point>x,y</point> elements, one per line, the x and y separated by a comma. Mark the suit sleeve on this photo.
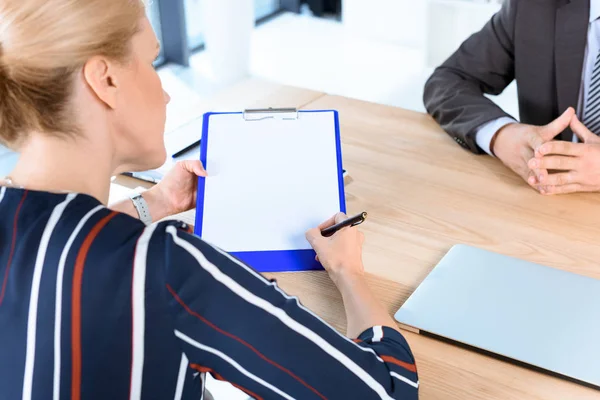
<point>484,64</point>
<point>240,327</point>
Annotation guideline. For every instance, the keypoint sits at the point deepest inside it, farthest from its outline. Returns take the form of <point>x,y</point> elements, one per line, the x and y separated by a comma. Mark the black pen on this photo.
<point>353,221</point>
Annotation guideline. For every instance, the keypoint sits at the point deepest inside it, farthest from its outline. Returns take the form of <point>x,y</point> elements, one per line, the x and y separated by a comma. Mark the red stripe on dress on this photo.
<point>76,306</point>
<point>248,345</point>
<point>395,361</point>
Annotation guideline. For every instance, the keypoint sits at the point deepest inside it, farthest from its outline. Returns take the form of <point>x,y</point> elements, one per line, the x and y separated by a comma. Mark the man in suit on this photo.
<point>552,49</point>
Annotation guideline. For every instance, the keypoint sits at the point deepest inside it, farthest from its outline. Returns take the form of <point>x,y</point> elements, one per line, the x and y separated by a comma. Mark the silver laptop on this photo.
<point>540,316</point>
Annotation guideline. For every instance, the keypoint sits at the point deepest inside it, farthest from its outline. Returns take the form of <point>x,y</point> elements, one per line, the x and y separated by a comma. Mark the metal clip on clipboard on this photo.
<point>284,114</point>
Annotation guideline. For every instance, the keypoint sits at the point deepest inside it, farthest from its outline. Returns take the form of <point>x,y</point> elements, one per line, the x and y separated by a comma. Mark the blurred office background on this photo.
<point>375,50</point>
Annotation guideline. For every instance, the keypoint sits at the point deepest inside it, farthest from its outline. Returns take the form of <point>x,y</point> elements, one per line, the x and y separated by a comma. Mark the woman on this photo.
<point>96,305</point>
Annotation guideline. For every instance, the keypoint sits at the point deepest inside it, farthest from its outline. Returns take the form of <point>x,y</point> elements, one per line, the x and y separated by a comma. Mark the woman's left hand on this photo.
<point>176,192</point>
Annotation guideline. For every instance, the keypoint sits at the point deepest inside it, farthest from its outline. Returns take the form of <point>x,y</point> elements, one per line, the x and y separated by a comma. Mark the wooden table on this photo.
<point>424,194</point>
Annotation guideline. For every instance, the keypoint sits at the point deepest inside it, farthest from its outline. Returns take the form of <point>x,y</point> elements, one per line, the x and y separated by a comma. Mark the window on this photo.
<point>179,25</point>
<point>154,17</point>
<point>194,18</point>
<point>265,8</point>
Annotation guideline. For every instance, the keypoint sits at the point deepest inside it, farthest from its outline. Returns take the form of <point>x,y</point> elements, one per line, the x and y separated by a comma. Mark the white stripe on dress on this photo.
<point>279,314</point>
<point>405,380</point>
<point>35,293</point>
<point>233,363</point>
<point>58,304</point>
<point>285,295</point>
<point>377,334</point>
<point>138,308</point>
<point>183,366</point>
<point>2,192</point>
<point>203,379</point>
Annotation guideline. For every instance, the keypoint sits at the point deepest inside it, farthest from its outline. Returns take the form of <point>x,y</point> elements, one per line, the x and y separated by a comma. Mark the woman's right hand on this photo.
<point>340,254</point>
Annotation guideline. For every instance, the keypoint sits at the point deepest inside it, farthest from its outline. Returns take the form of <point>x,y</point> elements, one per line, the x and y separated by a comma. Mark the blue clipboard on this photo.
<point>269,261</point>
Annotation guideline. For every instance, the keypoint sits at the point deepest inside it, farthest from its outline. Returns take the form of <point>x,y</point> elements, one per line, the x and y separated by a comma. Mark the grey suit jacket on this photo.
<point>540,43</point>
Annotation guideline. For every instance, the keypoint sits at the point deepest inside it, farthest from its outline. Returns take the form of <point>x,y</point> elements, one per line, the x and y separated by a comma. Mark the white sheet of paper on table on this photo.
<point>269,181</point>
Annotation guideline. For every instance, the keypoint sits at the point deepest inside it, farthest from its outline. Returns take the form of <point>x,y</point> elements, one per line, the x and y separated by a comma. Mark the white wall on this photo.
<point>400,22</point>
<point>436,26</point>
<point>450,22</point>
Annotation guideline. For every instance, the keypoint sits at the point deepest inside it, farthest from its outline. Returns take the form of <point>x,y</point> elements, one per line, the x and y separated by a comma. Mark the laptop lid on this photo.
<point>541,316</point>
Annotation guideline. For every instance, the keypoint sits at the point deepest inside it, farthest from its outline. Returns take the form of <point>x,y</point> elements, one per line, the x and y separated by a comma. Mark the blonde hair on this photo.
<point>43,44</point>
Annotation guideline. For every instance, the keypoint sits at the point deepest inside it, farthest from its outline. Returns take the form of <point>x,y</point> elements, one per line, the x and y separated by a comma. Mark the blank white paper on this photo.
<point>269,181</point>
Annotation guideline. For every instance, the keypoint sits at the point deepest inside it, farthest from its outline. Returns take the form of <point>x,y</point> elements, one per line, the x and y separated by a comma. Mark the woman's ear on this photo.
<point>99,74</point>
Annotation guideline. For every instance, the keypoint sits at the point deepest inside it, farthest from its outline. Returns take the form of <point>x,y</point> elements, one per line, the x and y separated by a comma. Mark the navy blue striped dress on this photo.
<point>95,305</point>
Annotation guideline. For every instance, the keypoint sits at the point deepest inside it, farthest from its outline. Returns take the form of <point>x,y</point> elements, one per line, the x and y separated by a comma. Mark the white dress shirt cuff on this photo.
<point>486,132</point>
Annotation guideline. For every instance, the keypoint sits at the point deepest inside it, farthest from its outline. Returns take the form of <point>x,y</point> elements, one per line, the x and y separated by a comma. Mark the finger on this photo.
<point>581,130</point>
<point>536,140</point>
<point>199,170</point>
<point>565,189</point>
<point>340,217</point>
<point>542,174</point>
<point>563,163</point>
<point>536,176</point>
<point>535,172</point>
<point>556,127</point>
<point>532,179</point>
<point>336,219</point>
<point>328,223</point>
<point>559,147</point>
<point>314,237</point>
<point>361,237</point>
<point>560,179</point>
<point>194,167</point>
